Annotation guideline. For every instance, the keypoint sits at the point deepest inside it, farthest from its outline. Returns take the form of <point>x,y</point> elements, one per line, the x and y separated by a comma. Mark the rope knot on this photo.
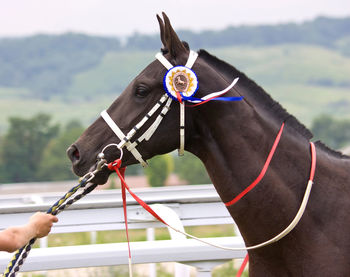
<point>115,165</point>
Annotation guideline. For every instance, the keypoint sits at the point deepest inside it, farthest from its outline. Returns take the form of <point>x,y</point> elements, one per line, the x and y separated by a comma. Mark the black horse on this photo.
<point>233,139</point>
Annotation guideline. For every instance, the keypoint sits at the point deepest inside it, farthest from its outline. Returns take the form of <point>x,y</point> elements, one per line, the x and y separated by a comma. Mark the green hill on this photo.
<point>111,75</point>
<point>306,67</point>
<point>307,80</point>
<point>46,64</point>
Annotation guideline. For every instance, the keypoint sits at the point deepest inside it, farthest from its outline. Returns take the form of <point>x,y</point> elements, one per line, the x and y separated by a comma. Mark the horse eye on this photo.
<point>142,91</point>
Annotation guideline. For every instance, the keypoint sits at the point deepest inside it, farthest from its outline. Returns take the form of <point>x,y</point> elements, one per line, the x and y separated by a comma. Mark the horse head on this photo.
<point>140,97</point>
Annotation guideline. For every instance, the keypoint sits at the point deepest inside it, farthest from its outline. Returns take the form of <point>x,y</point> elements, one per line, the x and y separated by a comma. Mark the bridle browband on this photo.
<point>125,140</point>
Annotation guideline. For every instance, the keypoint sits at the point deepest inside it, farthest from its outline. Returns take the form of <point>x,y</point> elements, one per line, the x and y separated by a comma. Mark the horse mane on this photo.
<point>259,95</point>
<point>328,150</point>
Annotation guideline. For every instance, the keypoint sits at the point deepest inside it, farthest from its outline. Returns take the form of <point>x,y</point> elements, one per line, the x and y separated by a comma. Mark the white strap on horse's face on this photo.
<point>125,139</point>
<point>190,61</point>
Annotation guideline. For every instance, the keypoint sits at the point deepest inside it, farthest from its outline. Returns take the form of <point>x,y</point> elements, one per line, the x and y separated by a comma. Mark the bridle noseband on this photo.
<point>125,139</point>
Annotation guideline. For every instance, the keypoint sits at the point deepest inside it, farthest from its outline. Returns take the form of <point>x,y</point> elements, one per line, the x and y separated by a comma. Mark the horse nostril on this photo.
<point>73,153</point>
<point>76,154</point>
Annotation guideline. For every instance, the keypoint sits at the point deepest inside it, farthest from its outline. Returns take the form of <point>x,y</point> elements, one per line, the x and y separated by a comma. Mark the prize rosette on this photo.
<point>180,80</point>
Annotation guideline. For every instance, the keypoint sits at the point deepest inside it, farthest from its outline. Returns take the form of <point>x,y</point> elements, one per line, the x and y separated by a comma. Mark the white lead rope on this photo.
<point>285,232</point>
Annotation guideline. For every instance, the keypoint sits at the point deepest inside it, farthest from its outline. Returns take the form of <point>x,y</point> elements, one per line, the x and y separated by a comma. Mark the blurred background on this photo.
<point>63,61</point>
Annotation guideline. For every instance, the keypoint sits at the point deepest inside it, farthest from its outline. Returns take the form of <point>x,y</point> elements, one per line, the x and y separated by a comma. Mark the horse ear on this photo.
<point>161,27</point>
<point>171,40</point>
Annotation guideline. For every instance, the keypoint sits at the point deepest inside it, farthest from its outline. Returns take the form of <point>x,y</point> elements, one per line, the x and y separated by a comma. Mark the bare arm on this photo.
<point>39,225</point>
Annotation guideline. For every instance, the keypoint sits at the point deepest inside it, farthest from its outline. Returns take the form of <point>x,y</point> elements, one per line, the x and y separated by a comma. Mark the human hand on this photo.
<point>41,224</point>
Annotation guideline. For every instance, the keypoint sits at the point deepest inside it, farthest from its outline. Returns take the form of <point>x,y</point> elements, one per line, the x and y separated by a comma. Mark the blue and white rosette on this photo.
<point>181,83</point>
<point>180,80</point>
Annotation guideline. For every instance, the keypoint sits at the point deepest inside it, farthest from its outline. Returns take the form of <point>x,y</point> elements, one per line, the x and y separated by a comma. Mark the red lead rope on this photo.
<point>263,171</point>
<point>252,185</point>
<point>121,174</point>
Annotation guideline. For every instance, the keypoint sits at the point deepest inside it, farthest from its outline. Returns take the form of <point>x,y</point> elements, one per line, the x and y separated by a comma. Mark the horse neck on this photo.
<point>234,152</point>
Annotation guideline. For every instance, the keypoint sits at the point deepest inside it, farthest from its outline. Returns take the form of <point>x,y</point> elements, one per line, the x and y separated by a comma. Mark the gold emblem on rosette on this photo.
<point>181,81</point>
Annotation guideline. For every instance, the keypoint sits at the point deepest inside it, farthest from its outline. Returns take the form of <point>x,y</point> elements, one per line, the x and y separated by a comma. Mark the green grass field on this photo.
<point>308,102</point>
<point>86,111</point>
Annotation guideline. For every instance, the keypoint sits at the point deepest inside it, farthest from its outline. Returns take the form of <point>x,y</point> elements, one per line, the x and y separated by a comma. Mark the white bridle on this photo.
<point>125,139</point>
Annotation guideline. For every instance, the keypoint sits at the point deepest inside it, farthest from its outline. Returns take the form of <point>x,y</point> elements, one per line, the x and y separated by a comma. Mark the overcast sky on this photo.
<point>122,18</point>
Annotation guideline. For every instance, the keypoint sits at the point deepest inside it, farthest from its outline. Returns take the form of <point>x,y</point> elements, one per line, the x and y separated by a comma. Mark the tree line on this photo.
<point>46,64</point>
<point>34,149</point>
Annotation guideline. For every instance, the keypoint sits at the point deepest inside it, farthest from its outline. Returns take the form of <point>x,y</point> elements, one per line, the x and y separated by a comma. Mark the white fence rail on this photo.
<point>102,210</point>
